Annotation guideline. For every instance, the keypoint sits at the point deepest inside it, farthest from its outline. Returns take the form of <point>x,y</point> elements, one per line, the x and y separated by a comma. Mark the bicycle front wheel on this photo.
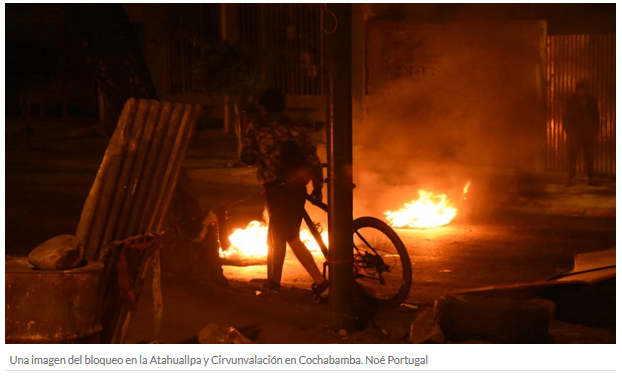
<point>382,268</point>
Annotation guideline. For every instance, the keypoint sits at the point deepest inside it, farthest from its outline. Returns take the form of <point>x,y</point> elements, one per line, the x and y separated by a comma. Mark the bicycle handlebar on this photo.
<point>317,203</point>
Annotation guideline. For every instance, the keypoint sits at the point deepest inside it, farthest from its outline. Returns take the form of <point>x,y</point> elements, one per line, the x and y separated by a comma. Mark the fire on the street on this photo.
<point>428,211</point>
<point>251,243</point>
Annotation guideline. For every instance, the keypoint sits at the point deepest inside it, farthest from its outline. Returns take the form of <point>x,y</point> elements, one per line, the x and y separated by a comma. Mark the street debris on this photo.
<point>128,203</point>
<point>58,253</point>
<point>213,333</point>
<point>424,330</point>
<point>584,295</point>
<point>492,319</point>
<point>590,267</point>
<point>409,306</point>
<point>51,306</point>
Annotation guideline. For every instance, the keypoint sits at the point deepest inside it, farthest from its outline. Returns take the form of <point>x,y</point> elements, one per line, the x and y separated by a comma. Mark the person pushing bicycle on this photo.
<point>286,162</point>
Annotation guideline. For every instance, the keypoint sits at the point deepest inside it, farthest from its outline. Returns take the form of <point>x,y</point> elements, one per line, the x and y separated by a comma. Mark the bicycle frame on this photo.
<point>318,238</point>
<point>313,229</point>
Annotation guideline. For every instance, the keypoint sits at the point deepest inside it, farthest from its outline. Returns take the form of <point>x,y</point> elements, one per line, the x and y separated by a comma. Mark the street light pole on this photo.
<point>339,140</point>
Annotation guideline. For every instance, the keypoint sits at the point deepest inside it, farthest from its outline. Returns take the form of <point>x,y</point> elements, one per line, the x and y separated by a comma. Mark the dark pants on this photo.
<point>286,205</point>
<point>576,143</point>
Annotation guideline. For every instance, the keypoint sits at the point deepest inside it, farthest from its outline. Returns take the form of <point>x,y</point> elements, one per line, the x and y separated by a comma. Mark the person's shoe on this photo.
<point>270,287</point>
<point>571,182</point>
<point>593,182</point>
<point>320,292</point>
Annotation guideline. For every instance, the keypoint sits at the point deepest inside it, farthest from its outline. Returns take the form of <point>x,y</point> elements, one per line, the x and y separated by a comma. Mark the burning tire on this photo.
<point>382,268</point>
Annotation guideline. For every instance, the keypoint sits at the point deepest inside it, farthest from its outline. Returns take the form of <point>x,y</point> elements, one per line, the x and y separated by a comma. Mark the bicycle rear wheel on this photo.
<point>382,268</point>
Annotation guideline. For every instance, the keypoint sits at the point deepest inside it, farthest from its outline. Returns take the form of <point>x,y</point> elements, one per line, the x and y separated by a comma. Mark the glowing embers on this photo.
<point>428,211</point>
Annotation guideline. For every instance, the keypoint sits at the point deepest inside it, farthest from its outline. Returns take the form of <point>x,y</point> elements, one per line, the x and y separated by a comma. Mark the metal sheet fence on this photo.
<point>572,58</point>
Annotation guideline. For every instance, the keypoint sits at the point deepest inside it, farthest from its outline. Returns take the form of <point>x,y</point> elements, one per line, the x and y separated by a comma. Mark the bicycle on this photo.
<point>382,269</point>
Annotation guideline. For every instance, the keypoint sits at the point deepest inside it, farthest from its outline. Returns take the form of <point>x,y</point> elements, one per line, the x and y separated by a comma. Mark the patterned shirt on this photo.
<point>263,147</point>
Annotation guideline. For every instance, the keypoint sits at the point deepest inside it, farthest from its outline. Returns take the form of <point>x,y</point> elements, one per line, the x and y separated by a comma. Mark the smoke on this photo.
<point>447,105</point>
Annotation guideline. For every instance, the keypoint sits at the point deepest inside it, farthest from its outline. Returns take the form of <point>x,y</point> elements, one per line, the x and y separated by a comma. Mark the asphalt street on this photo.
<point>47,185</point>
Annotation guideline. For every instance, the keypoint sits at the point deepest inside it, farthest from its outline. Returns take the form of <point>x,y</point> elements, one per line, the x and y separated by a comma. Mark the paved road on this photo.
<point>45,190</point>
<point>504,250</point>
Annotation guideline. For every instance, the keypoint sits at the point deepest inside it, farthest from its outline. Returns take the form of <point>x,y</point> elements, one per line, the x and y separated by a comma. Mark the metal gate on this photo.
<point>572,58</point>
<point>289,37</point>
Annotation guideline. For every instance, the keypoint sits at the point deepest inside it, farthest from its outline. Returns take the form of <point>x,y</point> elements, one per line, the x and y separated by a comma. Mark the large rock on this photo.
<point>493,319</point>
<point>59,253</point>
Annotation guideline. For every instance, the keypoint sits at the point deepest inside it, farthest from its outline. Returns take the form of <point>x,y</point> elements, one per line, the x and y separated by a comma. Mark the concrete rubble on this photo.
<point>582,296</point>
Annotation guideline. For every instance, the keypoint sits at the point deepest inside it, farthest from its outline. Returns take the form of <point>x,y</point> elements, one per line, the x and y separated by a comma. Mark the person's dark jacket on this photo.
<point>579,119</point>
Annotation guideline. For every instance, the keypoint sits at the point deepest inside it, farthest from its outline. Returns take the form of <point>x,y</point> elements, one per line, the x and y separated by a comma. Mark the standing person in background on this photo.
<point>581,124</point>
<point>286,162</point>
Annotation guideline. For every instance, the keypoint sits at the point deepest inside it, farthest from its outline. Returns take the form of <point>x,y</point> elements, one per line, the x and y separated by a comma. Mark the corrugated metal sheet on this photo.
<point>130,197</point>
<point>135,182</point>
<point>572,58</point>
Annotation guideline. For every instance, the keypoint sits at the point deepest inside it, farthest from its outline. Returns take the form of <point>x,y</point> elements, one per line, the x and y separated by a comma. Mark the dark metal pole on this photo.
<point>339,139</point>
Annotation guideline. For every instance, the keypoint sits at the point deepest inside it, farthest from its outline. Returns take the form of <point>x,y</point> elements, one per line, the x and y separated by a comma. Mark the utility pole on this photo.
<point>228,32</point>
<point>339,140</point>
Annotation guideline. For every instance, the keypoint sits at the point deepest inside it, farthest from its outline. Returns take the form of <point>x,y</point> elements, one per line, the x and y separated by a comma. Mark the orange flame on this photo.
<point>429,211</point>
<point>465,190</point>
<point>252,242</point>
